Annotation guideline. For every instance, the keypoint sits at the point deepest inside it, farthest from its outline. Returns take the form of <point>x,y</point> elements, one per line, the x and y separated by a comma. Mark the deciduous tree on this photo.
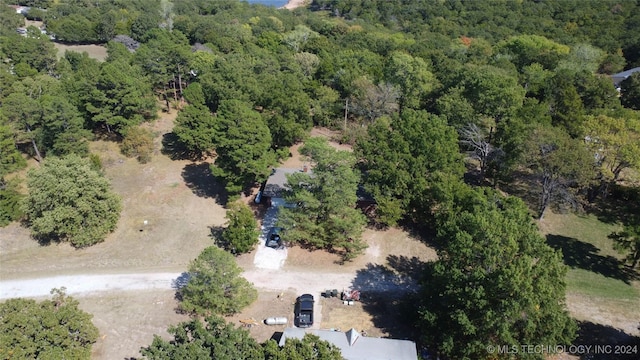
<point>69,201</point>
<point>215,285</point>
<point>51,329</point>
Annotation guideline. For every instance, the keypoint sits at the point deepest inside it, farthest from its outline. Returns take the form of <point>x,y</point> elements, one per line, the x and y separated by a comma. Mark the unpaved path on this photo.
<point>298,281</point>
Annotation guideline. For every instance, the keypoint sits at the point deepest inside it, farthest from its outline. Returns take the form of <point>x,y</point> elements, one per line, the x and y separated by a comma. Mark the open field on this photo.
<point>97,52</point>
<point>600,290</point>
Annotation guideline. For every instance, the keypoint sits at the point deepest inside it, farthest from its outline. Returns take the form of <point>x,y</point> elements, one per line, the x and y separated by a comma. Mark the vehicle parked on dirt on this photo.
<point>303,312</point>
<point>273,239</point>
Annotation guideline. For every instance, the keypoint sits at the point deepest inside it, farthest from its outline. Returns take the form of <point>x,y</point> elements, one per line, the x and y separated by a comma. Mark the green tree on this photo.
<point>630,92</point>
<point>400,159</point>
<point>243,146</point>
<point>561,166</point>
<point>325,216</point>
<point>213,339</point>
<point>628,241</point>
<point>529,49</point>
<point>69,201</point>
<point>195,128</point>
<point>10,199</point>
<point>413,77</point>
<point>241,235</point>
<point>215,285</point>
<point>497,283</point>
<point>310,347</point>
<point>616,143</point>
<point>51,329</point>
<point>567,110</point>
<point>10,159</point>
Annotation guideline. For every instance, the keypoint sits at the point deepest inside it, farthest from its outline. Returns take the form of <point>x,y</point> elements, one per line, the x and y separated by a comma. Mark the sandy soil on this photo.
<point>292,4</point>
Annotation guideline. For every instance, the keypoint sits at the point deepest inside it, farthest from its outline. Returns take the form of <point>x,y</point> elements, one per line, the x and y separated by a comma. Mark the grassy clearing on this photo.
<point>588,283</point>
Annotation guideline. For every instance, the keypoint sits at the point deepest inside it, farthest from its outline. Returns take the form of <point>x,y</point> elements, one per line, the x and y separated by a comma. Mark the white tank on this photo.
<point>276,321</point>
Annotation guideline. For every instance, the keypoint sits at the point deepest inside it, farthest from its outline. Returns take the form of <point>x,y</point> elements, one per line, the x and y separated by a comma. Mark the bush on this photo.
<point>138,143</point>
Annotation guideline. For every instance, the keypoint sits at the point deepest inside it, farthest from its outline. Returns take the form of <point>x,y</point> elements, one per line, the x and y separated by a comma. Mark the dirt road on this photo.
<point>297,281</point>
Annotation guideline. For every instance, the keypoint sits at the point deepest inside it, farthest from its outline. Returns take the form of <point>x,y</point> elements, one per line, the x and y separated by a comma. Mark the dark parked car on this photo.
<point>273,239</point>
<point>303,312</point>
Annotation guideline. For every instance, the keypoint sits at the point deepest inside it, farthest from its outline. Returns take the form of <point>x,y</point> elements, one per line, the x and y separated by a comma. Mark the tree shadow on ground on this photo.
<point>179,282</point>
<point>621,205</point>
<point>388,294</point>
<point>585,256</point>
<point>175,150</point>
<point>606,342</point>
<point>199,179</point>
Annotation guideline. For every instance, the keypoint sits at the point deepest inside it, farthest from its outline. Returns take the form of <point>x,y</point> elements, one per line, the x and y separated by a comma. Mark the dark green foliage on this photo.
<point>241,234</point>
<point>10,200</point>
<point>567,110</point>
<point>243,146</point>
<point>10,159</point>
<point>400,158</point>
<point>39,53</point>
<point>310,347</point>
<point>213,339</point>
<point>630,92</point>
<point>215,285</point>
<point>325,216</point>
<point>51,329</point>
<point>628,242</point>
<point>497,282</point>
<point>69,201</point>
<point>195,128</point>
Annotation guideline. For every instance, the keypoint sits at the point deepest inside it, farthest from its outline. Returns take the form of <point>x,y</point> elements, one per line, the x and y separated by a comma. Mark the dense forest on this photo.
<point>447,104</point>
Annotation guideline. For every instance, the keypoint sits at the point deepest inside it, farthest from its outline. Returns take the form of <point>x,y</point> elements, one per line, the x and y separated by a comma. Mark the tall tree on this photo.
<point>51,329</point>
<point>630,92</point>
<point>497,283</point>
<point>413,76</point>
<point>195,128</point>
<point>215,285</point>
<point>325,215</point>
<point>70,201</point>
<point>627,242</point>
<point>10,159</point>
<point>241,235</point>
<point>567,110</point>
<point>243,146</point>
<point>561,165</point>
<point>400,158</point>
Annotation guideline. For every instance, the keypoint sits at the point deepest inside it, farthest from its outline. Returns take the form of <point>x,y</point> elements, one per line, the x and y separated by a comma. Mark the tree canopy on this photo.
<point>496,282</point>
<point>70,201</point>
<point>50,329</point>
<point>215,285</point>
<point>324,215</point>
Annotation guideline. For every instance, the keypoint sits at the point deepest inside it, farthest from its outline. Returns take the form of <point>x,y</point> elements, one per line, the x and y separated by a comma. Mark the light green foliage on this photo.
<point>243,146</point>
<point>51,329</point>
<point>195,128</point>
<point>400,160</point>
<point>69,201</point>
<point>215,285</point>
<point>583,57</point>
<point>241,235</point>
<point>325,216</point>
<point>310,347</point>
<point>529,49</point>
<point>561,165</point>
<point>138,143</point>
<point>213,339</point>
<point>616,141</point>
<point>413,76</point>
<point>497,282</point>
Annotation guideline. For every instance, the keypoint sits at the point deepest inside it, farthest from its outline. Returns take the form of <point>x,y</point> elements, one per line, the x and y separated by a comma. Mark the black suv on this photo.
<point>273,239</point>
<point>303,311</point>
